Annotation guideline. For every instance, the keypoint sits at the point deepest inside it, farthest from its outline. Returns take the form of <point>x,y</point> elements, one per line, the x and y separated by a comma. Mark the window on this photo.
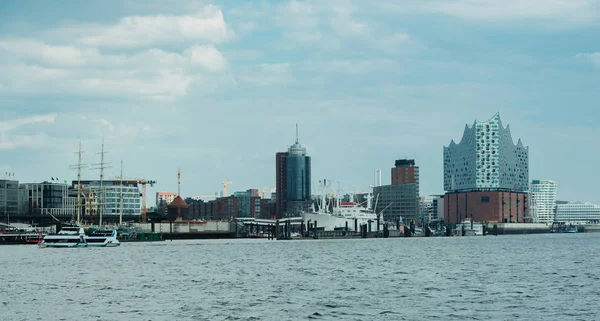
<point>485,199</point>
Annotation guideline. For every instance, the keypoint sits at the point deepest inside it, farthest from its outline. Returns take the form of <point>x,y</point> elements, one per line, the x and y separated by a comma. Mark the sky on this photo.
<point>215,88</point>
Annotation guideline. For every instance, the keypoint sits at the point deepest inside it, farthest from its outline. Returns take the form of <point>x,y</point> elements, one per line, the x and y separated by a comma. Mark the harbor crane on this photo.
<point>225,183</point>
<point>144,182</point>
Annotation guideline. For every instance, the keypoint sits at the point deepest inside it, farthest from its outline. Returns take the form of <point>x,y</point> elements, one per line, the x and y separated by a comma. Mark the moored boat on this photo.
<point>337,215</point>
<point>75,236</point>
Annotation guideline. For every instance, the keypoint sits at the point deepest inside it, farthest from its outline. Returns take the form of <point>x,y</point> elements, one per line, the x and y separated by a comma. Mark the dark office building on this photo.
<point>400,200</point>
<point>397,201</point>
<point>293,181</point>
<point>298,174</point>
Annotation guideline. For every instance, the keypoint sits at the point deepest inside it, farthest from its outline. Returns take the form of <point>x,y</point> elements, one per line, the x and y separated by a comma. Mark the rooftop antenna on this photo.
<point>296,133</point>
<point>78,167</point>
<point>178,182</point>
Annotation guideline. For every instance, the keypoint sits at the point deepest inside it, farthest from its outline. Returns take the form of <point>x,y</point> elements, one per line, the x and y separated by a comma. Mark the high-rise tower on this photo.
<point>543,200</point>
<point>293,175</point>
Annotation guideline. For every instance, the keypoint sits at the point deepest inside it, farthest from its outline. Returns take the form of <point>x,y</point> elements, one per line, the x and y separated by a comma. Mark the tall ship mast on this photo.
<point>101,166</point>
<point>79,166</point>
<point>121,195</point>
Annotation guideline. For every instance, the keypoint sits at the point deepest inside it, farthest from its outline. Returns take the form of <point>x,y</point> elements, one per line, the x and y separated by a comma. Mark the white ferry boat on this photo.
<point>75,236</point>
<point>343,214</point>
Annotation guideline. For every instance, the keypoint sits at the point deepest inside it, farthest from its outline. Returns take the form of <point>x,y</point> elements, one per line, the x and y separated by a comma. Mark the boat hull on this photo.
<point>67,245</point>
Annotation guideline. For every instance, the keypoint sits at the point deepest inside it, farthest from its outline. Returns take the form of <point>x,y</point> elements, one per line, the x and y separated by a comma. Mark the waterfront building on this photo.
<point>224,208</point>
<point>578,213</point>
<point>397,202</point>
<point>267,209</point>
<point>110,199</point>
<point>437,207</point>
<point>425,210</point>
<point>293,181</point>
<point>486,175</point>
<point>542,195</point>
<point>166,197</point>
<point>400,200</point>
<point>298,178</point>
<point>49,198</point>
<point>178,210</point>
<point>13,200</point>
<point>248,203</point>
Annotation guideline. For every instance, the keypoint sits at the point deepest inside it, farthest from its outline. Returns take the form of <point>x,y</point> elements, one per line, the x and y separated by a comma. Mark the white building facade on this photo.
<point>110,200</point>
<point>486,159</point>
<point>542,200</point>
<point>578,213</point>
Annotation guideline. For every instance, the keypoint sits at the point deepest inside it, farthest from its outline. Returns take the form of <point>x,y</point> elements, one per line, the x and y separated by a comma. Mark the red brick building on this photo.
<point>281,183</point>
<point>405,172</point>
<point>224,208</point>
<point>486,206</point>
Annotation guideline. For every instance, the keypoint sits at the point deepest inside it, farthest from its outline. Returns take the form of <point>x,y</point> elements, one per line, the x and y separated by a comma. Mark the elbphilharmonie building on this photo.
<point>486,175</point>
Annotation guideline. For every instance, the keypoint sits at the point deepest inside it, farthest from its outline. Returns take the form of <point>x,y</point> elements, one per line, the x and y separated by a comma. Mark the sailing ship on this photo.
<point>348,215</point>
<point>76,236</point>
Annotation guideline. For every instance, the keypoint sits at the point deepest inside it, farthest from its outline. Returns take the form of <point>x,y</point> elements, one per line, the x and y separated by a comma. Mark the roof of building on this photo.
<point>178,202</point>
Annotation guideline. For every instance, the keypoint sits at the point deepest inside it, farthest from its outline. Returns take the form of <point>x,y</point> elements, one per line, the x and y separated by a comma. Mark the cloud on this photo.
<point>12,141</point>
<point>565,13</point>
<point>67,56</point>
<point>594,58</point>
<point>207,57</point>
<point>10,125</point>
<point>266,74</point>
<point>206,26</point>
<point>34,67</point>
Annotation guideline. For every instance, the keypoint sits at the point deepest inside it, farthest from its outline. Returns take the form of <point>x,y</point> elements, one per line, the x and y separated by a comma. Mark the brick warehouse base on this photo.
<point>486,206</point>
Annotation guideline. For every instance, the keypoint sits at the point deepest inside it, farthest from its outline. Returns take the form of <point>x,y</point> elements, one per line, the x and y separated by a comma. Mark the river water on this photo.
<point>533,277</point>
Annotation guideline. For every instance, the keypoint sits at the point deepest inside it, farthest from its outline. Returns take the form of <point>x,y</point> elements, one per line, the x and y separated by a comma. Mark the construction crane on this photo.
<point>225,183</point>
<point>144,182</point>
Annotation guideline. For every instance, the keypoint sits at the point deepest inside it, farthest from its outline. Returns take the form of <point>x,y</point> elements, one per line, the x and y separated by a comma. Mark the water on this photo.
<point>535,277</point>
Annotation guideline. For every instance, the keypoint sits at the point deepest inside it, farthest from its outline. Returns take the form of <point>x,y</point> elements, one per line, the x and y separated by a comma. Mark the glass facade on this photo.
<point>49,198</point>
<point>10,198</point>
<point>398,202</point>
<point>298,174</point>
<point>486,159</point>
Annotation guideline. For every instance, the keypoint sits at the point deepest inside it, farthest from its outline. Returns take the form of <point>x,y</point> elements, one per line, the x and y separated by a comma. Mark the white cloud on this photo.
<point>594,57</point>
<point>207,57</point>
<point>565,13</point>
<point>67,56</point>
<point>9,125</point>
<point>152,74</point>
<point>10,141</point>
<point>206,26</point>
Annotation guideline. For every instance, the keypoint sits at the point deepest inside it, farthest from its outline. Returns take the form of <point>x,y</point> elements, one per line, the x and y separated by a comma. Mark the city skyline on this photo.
<point>368,84</point>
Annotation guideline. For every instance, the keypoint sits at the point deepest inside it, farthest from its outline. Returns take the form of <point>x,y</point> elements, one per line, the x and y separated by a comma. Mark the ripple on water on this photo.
<point>536,277</point>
